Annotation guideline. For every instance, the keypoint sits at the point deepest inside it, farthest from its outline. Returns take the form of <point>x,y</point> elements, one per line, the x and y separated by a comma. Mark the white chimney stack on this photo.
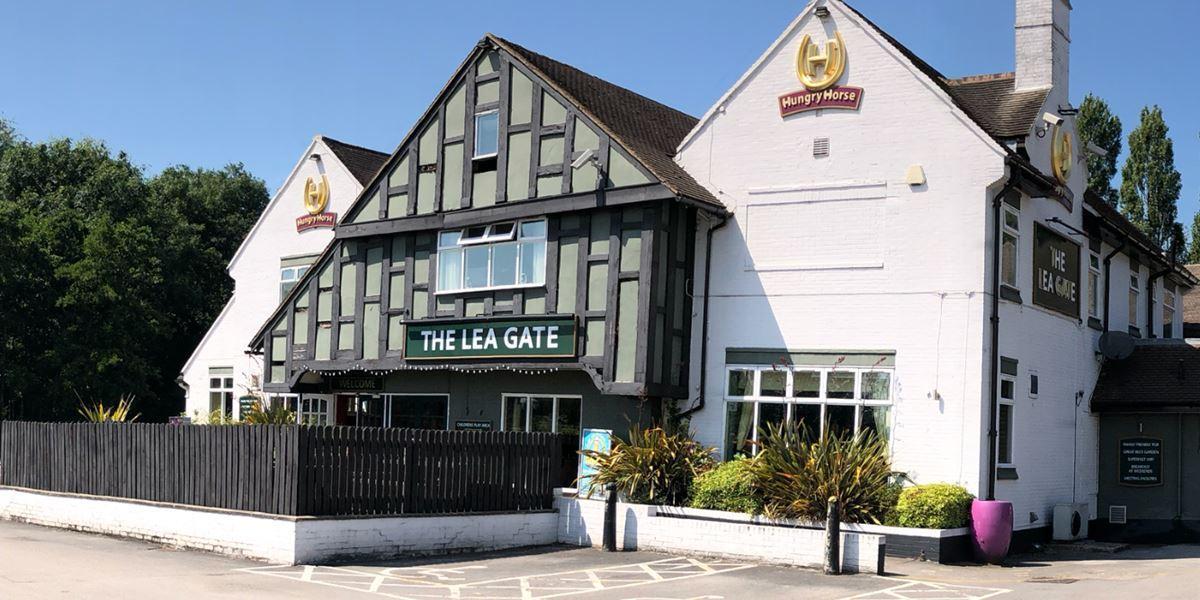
<point>1044,44</point>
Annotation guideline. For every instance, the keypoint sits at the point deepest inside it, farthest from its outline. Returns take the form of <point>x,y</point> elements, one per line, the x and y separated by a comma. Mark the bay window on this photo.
<point>497,256</point>
<point>839,400</point>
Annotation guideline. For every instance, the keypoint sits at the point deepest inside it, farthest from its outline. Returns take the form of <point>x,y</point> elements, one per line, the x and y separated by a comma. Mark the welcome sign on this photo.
<point>525,338</point>
<point>1055,271</point>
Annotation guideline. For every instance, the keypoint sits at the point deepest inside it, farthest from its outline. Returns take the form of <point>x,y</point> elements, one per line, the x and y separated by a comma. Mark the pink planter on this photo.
<point>991,529</point>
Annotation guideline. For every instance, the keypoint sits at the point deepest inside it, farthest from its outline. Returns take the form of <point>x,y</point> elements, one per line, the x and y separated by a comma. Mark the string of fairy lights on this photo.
<point>470,370</point>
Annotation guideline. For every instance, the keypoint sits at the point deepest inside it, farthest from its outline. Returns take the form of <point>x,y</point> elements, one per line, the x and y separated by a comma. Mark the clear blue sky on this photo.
<point>208,83</point>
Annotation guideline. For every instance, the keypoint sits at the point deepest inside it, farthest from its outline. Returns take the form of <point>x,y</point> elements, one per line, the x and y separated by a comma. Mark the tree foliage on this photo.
<point>1097,125</point>
<point>110,277</point>
<point>1193,249</point>
<point>1150,184</point>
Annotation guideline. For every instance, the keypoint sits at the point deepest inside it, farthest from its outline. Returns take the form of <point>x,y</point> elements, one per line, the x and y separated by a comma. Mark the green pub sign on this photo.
<point>552,337</point>
<point>1055,271</point>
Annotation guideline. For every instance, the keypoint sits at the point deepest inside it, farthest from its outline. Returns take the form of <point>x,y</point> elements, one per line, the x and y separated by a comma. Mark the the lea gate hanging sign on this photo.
<point>552,337</point>
<point>1055,271</point>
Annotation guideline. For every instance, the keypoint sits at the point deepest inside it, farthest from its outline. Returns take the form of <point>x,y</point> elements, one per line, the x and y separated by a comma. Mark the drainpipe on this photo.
<point>708,237</point>
<point>1108,280</point>
<point>994,379</point>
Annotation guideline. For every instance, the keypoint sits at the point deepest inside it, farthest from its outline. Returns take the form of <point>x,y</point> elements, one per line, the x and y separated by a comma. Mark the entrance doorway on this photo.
<point>548,414</point>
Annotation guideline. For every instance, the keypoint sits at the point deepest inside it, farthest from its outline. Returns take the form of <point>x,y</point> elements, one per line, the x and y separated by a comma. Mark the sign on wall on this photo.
<point>525,338</point>
<point>1140,463</point>
<point>1055,271</point>
<point>356,383</point>
<point>819,70</point>
<point>316,200</point>
<point>472,425</point>
<point>597,440</point>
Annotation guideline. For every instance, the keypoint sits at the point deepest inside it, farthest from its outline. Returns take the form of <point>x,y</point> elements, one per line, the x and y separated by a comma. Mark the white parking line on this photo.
<point>929,590</point>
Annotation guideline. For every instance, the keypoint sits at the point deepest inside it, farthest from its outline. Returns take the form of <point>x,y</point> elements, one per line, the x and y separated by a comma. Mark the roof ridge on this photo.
<point>355,146</point>
<point>982,77</point>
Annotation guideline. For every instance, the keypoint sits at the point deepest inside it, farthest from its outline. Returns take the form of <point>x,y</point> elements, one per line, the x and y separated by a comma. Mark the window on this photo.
<point>841,401</point>
<point>1009,244</point>
<point>1004,425</point>
<point>487,134</point>
<point>1033,384</point>
<point>497,256</point>
<point>418,411</point>
<point>220,391</point>
<point>542,414</point>
<point>1093,283</point>
<point>1133,300</point>
<point>313,411</point>
<point>1168,314</point>
<point>289,277</point>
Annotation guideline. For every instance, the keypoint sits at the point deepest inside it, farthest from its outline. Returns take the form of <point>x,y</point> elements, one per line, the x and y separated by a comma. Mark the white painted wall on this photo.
<point>255,271</point>
<point>839,253</point>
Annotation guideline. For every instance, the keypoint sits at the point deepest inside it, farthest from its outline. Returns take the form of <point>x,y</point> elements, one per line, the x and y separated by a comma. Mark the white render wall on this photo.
<point>641,527</point>
<point>920,291</point>
<point>255,271</point>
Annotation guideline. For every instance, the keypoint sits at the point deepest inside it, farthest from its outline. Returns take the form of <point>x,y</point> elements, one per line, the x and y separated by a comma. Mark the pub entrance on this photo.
<point>409,411</point>
<point>548,414</point>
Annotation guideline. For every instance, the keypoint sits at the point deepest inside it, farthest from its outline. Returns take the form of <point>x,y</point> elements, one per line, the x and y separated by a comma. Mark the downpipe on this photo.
<point>708,238</point>
<point>994,379</point>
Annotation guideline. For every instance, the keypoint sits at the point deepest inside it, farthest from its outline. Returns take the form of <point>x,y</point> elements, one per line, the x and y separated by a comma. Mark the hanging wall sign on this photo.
<point>1062,154</point>
<point>1140,462</point>
<point>819,71</point>
<point>525,338</point>
<point>1055,271</point>
<point>316,200</point>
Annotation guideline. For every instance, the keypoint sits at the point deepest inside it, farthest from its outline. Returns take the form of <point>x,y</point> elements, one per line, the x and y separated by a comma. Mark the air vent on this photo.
<point>821,147</point>
<point>1116,514</point>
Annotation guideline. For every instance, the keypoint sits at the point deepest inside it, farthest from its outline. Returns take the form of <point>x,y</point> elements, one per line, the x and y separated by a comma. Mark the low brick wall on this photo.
<point>643,527</point>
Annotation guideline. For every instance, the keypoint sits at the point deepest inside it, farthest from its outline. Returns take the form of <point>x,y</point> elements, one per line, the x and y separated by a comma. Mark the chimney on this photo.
<point>1043,30</point>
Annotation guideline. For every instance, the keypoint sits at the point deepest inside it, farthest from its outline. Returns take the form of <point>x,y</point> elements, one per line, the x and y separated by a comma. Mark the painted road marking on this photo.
<point>424,583</point>
<point>928,590</point>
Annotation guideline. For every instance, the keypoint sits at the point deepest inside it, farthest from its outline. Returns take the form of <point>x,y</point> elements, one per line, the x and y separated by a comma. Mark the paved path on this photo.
<point>38,562</point>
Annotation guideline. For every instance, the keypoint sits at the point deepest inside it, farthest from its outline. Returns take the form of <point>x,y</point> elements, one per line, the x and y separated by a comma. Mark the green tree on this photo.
<point>1097,125</point>
<point>109,278</point>
<point>1193,248</point>
<point>1150,184</point>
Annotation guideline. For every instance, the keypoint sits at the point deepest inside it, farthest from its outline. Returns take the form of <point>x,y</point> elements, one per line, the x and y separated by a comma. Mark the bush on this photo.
<point>934,506</point>
<point>275,414</point>
<point>891,499</point>
<point>798,476</point>
<point>653,467</point>
<point>730,487</point>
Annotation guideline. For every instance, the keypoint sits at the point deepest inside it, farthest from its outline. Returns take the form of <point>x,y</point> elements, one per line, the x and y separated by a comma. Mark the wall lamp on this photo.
<point>822,12</point>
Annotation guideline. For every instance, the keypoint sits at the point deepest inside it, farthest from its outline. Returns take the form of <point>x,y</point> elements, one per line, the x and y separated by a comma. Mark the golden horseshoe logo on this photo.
<point>316,195</point>
<point>818,70</point>
<point>1062,154</point>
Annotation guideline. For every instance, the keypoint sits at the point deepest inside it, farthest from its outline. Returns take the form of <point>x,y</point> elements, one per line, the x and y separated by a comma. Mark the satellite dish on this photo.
<point>1116,345</point>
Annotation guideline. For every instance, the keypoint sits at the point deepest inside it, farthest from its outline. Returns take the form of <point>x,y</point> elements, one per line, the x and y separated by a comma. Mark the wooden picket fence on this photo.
<point>286,469</point>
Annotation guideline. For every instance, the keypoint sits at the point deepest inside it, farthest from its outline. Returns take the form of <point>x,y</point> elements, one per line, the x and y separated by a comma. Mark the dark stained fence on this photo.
<point>286,469</point>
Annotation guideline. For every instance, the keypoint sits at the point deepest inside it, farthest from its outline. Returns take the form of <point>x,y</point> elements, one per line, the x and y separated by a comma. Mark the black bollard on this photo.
<point>833,539</point>
<point>610,518</point>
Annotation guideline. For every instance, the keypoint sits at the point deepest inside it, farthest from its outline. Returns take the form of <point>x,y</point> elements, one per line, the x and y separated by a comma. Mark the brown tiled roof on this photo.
<point>990,100</point>
<point>649,130</point>
<point>363,163</point>
<point>1157,375</point>
<point>1191,306</point>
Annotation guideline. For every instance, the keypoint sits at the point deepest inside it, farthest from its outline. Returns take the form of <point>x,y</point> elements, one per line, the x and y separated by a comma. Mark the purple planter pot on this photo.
<point>991,529</point>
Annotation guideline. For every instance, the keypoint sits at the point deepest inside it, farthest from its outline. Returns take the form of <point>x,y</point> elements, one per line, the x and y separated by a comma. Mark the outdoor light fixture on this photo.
<point>1097,150</point>
<point>587,156</point>
<point>822,12</point>
<point>1052,119</point>
<point>1067,110</point>
<point>314,156</point>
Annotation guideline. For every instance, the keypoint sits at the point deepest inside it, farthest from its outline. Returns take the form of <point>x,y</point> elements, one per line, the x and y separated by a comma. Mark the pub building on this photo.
<point>914,254</point>
<point>521,262</point>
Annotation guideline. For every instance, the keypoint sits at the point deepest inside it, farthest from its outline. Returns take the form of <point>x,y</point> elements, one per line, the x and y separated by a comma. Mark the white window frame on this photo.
<point>226,386</point>
<point>1094,291</point>
<point>1012,411</point>
<point>529,413</point>
<point>1168,308</point>
<point>387,406</point>
<point>491,239</point>
<point>1135,296</point>
<point>475,146</point>
<point>1034,390</point>
<point>823,400</point>
<point>297,273</point>
<point>1016,234</point>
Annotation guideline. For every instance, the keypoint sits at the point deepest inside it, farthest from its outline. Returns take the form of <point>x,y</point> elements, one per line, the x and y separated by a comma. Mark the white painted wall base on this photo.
<point>641,527</point>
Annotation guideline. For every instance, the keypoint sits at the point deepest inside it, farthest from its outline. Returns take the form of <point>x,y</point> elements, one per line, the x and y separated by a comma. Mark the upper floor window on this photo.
<point>1168,315</point>
<point>487,134</point>
<point>289,277</point>
<point>496,256</point>
<point>1009,244</point>
<point>1133,300</point>
<point>1093,282</point>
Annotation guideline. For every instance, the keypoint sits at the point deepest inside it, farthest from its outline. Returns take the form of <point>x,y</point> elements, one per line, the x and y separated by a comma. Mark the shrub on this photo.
<point>798,476</point>
<point>891,498</point>
<point>731,487</point>
<point>653,467</point>
<point>276,414</point>
<point>98,412</point>
<point>935,506</point>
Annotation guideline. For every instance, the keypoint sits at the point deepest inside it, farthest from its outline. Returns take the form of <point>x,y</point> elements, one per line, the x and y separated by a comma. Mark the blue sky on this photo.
<point>208,83</point>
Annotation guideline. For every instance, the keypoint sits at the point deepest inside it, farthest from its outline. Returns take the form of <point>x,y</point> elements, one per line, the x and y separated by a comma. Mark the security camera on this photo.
<point>1097,150</point>
<point>583,159</point>
<point>1052,119</point>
